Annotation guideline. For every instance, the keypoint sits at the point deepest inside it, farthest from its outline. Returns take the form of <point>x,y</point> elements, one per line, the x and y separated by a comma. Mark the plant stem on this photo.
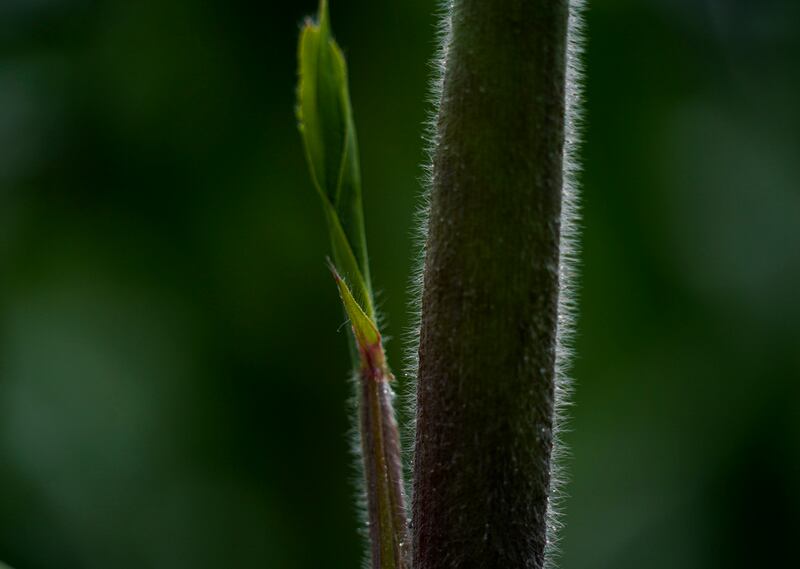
<point>383,472</point>
<point>485,394</point>
<point>380,444</point>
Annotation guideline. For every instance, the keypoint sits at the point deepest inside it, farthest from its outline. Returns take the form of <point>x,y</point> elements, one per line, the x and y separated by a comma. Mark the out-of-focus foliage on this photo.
<point>168,326</point>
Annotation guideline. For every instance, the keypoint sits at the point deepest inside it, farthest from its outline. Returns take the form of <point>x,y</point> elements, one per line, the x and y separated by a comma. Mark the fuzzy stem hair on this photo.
<point>493,310</point>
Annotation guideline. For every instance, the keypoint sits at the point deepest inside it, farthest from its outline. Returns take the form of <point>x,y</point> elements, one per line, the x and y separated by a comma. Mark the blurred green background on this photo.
<point>172,383</point>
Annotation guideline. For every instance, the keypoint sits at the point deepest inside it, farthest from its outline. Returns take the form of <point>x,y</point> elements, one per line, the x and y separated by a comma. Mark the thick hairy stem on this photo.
<point>485,395</point>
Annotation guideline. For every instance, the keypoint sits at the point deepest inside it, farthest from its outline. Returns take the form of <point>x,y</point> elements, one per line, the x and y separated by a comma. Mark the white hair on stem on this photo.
<point>430,138</point>
<point>568,254</point>
<point>357,480</point>
<point>568,267</point>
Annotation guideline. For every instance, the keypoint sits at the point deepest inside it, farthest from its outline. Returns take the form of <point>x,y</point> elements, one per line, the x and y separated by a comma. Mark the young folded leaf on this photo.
<point>329,135</point>
<point>326,124</point>
<point>364,329</point>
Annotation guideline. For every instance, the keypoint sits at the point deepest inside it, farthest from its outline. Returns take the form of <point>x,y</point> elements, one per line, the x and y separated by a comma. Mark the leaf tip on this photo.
<point>364,329</point>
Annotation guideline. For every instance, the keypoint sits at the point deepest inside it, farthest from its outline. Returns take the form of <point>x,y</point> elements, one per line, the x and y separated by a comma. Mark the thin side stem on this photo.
<point>380,445</point>
<point>382,465</point>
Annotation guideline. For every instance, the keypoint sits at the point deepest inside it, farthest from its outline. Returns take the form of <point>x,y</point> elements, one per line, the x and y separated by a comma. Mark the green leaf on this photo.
<point>321,109</point>
<point>364,329</point>
<point>345,260</point>
<point>326,124</point>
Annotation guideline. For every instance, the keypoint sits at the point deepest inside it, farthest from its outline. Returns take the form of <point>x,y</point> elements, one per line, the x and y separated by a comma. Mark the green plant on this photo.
<point>329,136</point>
<point>495,305</point>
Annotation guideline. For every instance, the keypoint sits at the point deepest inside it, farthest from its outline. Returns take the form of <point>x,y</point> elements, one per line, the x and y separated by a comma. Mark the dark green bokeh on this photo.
<point>172,384</point>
